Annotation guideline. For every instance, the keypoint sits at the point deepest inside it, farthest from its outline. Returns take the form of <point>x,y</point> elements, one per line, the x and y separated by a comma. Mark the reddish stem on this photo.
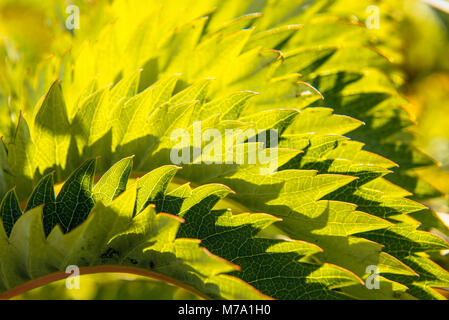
<point>92,270</point>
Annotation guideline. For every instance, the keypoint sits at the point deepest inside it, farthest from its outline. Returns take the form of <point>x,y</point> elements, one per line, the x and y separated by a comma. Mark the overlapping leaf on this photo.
<point>123,229</point>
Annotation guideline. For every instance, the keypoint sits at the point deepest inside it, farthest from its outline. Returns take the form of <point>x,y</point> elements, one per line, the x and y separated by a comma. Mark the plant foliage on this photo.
<point>344,195</point>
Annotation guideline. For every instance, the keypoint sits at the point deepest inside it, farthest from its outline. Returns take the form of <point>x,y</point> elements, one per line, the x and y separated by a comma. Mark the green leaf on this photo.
<point>10,211</point>
<point>28,239</point>
<point>50,129</point>
<point>75,200</point>
<point>112,235</point>
<point>152,186</point>
<point>20,158</point>
<point>3,167</point>
<point>44,194</point>
<point>114,181</point>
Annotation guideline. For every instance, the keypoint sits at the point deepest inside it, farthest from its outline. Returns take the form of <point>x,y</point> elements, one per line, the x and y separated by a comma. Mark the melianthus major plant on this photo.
<point>299,67</point>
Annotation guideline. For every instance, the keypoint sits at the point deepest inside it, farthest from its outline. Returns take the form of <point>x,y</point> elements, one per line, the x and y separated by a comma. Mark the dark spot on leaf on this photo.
<point>109,254</point>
